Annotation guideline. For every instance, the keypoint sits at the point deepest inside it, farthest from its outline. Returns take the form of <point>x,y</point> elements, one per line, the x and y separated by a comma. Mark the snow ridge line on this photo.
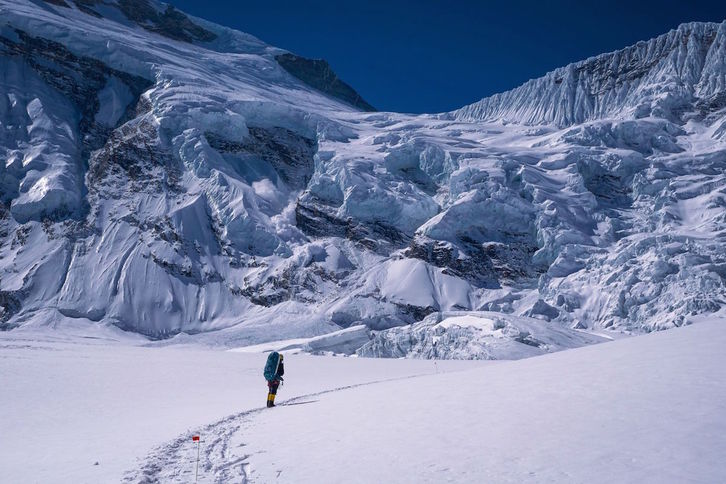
<point>174,460</point>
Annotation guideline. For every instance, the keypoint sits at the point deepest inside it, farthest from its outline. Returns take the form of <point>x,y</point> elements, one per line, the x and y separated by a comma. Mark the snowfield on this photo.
<point>71,400</point>
<point>647,409</point>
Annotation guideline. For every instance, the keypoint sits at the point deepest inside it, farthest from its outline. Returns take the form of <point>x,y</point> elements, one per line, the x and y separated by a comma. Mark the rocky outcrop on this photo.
<point>317,73</point>
<point>166,21</point>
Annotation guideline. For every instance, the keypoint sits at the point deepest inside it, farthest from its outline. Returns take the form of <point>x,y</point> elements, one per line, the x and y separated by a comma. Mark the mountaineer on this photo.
<point>274,369</point>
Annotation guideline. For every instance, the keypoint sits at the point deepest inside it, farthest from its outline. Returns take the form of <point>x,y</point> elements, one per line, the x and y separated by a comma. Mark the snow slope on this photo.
<point>645,409</point>
<point>183,181</point>
<point>650,409</point>
<point>71,400</point>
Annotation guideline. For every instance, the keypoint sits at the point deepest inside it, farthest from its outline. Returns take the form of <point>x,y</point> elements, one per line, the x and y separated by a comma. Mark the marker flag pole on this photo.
<point>195,438</point>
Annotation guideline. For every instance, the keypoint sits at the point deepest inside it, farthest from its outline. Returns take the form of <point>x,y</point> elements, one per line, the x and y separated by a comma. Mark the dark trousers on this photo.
<point>272,385</point>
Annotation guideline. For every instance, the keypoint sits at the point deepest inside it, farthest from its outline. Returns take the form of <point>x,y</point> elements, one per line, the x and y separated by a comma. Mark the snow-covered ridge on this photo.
<point>165,20</point>
<point>664,77</point>
<point>196,190</point>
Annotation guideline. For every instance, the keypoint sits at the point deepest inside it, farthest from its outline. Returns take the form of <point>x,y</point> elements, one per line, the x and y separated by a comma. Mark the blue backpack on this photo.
<point>273,361</point>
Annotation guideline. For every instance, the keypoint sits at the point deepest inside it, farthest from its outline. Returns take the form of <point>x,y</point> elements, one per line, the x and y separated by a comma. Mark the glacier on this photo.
<point>184,181</point>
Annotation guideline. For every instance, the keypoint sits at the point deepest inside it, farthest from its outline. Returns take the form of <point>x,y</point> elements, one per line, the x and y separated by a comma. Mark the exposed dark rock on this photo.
<point>316,221</point>
<point>568,302</point>
<point>477,268</point>
<point>412,314</point>
<point>10,304</point>
<point>21,236</point>
<point>170,22</point>
<point>711,105</point>
<point>291,155</point>
<point>609,189</point>
<point>133,151</point>
<point>529,340</point>
<point>513,261</point>
<point>274,290</point>
<point>484,265</point>
<point>184,273</point>
<point>78,78</point>
<point>318,74</point>
<point>542,309</point>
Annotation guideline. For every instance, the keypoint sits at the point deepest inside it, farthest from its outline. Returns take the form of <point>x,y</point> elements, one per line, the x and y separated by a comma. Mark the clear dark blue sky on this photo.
<point>432,56</point>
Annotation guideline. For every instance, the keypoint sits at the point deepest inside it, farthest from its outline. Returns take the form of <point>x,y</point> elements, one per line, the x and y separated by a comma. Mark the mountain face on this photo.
<point>171,177</point>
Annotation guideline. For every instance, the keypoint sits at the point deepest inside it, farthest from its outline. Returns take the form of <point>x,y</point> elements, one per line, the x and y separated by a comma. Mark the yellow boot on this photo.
<point>270,400</point>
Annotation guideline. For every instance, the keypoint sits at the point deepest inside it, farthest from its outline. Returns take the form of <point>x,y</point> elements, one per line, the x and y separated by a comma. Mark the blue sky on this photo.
<point>433,56</point>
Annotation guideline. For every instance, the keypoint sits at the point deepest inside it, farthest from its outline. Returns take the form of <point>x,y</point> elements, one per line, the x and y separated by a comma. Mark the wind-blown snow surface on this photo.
<point>167,176</point>
<point>645,409</point>
<point>650,409</point>
<point>73,399</point>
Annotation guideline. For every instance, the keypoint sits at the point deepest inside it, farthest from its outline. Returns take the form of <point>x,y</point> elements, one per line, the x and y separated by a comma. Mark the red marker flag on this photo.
<point>195,438</point>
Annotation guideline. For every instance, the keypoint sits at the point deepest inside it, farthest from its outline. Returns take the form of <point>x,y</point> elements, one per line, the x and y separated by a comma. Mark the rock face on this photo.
<point>167,180</point>
<point>165,20</point>
<point>318,74</point>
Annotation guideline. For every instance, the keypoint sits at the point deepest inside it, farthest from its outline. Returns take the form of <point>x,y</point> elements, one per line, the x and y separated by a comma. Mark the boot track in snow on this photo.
<point>223,458</point>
